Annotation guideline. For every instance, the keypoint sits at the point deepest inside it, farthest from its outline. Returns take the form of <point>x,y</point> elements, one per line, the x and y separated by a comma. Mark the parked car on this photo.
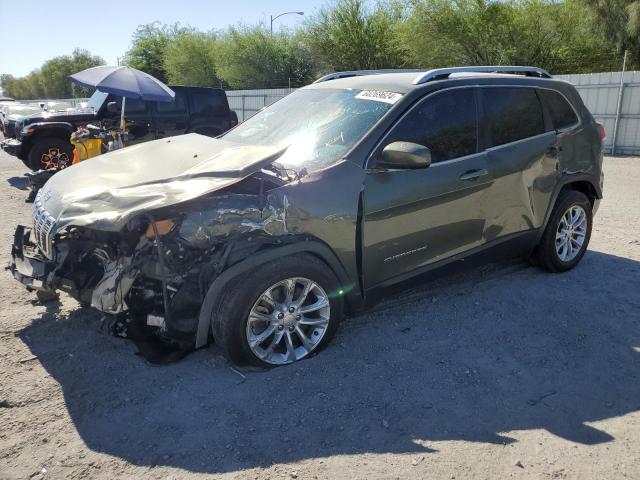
<point>263,237</point>
<point>42,140</point>
<point>11,113</point>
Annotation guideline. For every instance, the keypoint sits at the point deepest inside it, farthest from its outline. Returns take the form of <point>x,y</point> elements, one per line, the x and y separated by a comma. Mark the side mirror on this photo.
<point>112,107</point>
<point>405,155</point>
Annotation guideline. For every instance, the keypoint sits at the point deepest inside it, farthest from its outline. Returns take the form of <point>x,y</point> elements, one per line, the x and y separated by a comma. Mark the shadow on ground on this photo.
<point>21,183</point>
<point>500,348</point>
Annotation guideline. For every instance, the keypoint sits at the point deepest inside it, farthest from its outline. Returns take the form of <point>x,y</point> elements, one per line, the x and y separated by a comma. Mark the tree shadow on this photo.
<point>468,357</point>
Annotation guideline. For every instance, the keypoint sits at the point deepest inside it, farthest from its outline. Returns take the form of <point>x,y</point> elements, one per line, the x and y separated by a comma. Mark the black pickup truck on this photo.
<point>41,140</point>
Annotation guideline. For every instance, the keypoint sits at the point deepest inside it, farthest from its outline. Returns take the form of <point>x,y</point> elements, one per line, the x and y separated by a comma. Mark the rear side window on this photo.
<point>562,114</point>
<point>512,114</point>
<point>445,122</point>
<point>208,102</point>
<point>177,106</point>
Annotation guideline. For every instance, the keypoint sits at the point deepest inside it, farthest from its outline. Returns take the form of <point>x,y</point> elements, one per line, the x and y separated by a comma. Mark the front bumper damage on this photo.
<point>143,277</point>
<point>28,265</point>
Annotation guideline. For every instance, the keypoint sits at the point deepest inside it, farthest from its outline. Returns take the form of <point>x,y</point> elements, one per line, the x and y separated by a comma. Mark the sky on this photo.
<point>34,31</point>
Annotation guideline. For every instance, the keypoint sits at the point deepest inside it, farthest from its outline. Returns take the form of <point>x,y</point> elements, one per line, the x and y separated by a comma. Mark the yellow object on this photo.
<point>163,226</point>
<point>87,148</point>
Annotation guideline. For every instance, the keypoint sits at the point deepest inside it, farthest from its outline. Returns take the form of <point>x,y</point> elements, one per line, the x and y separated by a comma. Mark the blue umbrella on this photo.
<point>125,81</point>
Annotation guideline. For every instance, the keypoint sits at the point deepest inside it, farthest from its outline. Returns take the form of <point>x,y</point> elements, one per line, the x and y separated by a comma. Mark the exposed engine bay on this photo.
<point>157,269</point>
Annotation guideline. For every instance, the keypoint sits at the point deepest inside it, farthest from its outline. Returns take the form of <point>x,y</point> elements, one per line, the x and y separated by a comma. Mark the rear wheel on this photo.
<point>50,152</point>
<point>567,234</point>
<point>282,312</point>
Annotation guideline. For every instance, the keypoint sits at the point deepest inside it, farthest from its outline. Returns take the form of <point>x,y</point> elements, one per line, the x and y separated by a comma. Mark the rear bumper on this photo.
<point>27,265</point>
<point>11,146</point>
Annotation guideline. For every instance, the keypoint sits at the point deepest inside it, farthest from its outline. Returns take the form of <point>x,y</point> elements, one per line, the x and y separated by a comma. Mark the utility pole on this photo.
<point>619,106</point>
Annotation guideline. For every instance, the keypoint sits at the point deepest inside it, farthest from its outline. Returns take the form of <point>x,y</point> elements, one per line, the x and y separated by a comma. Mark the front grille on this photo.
<point>43,224</point>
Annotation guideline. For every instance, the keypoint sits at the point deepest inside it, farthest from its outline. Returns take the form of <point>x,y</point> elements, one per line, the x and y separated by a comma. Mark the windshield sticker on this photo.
<point>379,96</point>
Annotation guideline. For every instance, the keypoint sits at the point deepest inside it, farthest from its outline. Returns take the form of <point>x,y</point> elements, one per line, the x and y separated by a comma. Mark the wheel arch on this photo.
<point>583,183</point>
<point>60,130</point>
<point>313,247</point>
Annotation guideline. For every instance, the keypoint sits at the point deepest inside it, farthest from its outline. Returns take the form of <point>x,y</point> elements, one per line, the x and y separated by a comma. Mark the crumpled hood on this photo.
<point>106,191</point>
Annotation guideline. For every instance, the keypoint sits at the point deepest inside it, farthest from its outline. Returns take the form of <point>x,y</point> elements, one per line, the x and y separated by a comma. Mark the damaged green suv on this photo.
<point>262,238</point>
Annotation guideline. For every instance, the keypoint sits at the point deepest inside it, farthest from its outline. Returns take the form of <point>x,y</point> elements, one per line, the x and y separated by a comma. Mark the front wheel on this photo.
<point>282,312</point>
<point>50,152</point>
<point>567,234</point>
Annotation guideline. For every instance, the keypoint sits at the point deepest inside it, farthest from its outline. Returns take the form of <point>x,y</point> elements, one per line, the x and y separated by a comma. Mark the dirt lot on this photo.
<point>504,371</point>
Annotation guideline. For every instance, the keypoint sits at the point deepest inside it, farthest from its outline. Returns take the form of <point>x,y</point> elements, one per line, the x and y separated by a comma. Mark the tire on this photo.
<point>548,254</point>
<point>50,152</point>
<point>230,322</point>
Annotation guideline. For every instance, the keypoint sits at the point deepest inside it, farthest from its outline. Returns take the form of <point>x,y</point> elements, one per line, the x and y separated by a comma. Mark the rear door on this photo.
<point>172,118</point>
<point>522,155</point>
<point>416,217</point>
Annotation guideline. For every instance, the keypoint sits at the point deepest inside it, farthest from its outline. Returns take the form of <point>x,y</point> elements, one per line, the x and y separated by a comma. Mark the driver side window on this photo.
<point>445,122</point>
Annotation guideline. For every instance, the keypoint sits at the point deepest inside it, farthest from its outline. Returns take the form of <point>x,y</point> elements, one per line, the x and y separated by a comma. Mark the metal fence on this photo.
<point>247,103</point>
<point>614,101</point>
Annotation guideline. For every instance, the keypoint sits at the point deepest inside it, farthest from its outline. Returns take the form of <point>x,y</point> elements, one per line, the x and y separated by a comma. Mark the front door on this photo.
<point>416,217</point>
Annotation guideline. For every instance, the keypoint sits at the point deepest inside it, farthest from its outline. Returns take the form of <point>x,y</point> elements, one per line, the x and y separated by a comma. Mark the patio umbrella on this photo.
<point>125,81</point>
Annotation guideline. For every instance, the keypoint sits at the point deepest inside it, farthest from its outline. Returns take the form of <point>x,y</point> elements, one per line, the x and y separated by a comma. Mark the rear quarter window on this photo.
<point>512,114</point>
<point>209,102</point>
<point>561,112</point>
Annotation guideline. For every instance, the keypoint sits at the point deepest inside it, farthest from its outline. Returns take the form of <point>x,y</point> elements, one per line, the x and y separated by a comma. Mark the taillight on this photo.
<point>601,131</point>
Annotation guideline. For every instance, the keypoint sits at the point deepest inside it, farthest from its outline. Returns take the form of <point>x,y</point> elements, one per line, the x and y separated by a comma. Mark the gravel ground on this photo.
<point>503,371</point>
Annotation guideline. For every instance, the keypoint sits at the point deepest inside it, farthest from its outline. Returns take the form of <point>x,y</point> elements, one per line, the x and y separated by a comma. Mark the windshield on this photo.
<point>96,100</point>
<point>317,125</point>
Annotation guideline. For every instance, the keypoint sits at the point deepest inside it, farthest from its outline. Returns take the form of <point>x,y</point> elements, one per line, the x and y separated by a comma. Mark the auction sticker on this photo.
<point>379,96</point>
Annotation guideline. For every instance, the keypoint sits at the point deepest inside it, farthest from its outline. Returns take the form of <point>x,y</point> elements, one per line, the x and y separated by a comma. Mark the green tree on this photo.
<point>250,57</point>
<point>149,46</point>
<point>52,79</point>
<point>190,59</point>
<point>619,22</point>
<point>553,35</point>
<point>349,35</point>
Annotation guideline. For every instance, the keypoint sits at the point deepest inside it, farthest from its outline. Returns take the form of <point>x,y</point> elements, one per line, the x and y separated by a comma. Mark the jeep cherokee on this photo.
<point>263,237</point>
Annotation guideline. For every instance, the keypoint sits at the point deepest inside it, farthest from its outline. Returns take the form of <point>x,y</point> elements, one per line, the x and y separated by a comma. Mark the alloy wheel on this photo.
<point>571,233</point>
<point>54,158</point>
<point>288,321</point>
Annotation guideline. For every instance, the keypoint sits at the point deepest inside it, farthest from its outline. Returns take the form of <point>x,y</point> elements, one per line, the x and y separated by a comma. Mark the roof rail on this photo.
<point>358,73</point>
<point>440,73</point>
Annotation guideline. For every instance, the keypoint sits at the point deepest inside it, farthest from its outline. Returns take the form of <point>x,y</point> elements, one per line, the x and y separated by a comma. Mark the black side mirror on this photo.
<point>112,107</point>
<point>404,155</point>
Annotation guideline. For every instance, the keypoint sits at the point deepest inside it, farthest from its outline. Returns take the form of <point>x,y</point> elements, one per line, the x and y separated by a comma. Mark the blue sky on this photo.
<point>33,31</point>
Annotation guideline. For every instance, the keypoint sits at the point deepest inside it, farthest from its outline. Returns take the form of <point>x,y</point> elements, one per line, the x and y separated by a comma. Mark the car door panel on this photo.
<point>522,157</point>
<point>524,174</point>
<point>419,216</point>
<point>416,217</point>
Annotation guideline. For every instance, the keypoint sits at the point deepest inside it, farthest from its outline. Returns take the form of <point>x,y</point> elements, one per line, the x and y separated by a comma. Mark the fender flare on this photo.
<point>565,180</point>
<point>41,129</point>
<point>44,126</point>
<point>217,287</point>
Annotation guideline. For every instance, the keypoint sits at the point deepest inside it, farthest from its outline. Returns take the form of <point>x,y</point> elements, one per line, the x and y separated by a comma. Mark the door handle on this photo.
<point>471,175</point>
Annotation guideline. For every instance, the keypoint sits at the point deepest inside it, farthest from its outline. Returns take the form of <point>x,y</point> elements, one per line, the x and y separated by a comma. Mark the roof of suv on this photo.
<point>406,81</point>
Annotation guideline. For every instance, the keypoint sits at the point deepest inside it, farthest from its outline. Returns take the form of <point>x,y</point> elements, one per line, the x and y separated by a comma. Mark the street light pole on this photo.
<point>278,16</point>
